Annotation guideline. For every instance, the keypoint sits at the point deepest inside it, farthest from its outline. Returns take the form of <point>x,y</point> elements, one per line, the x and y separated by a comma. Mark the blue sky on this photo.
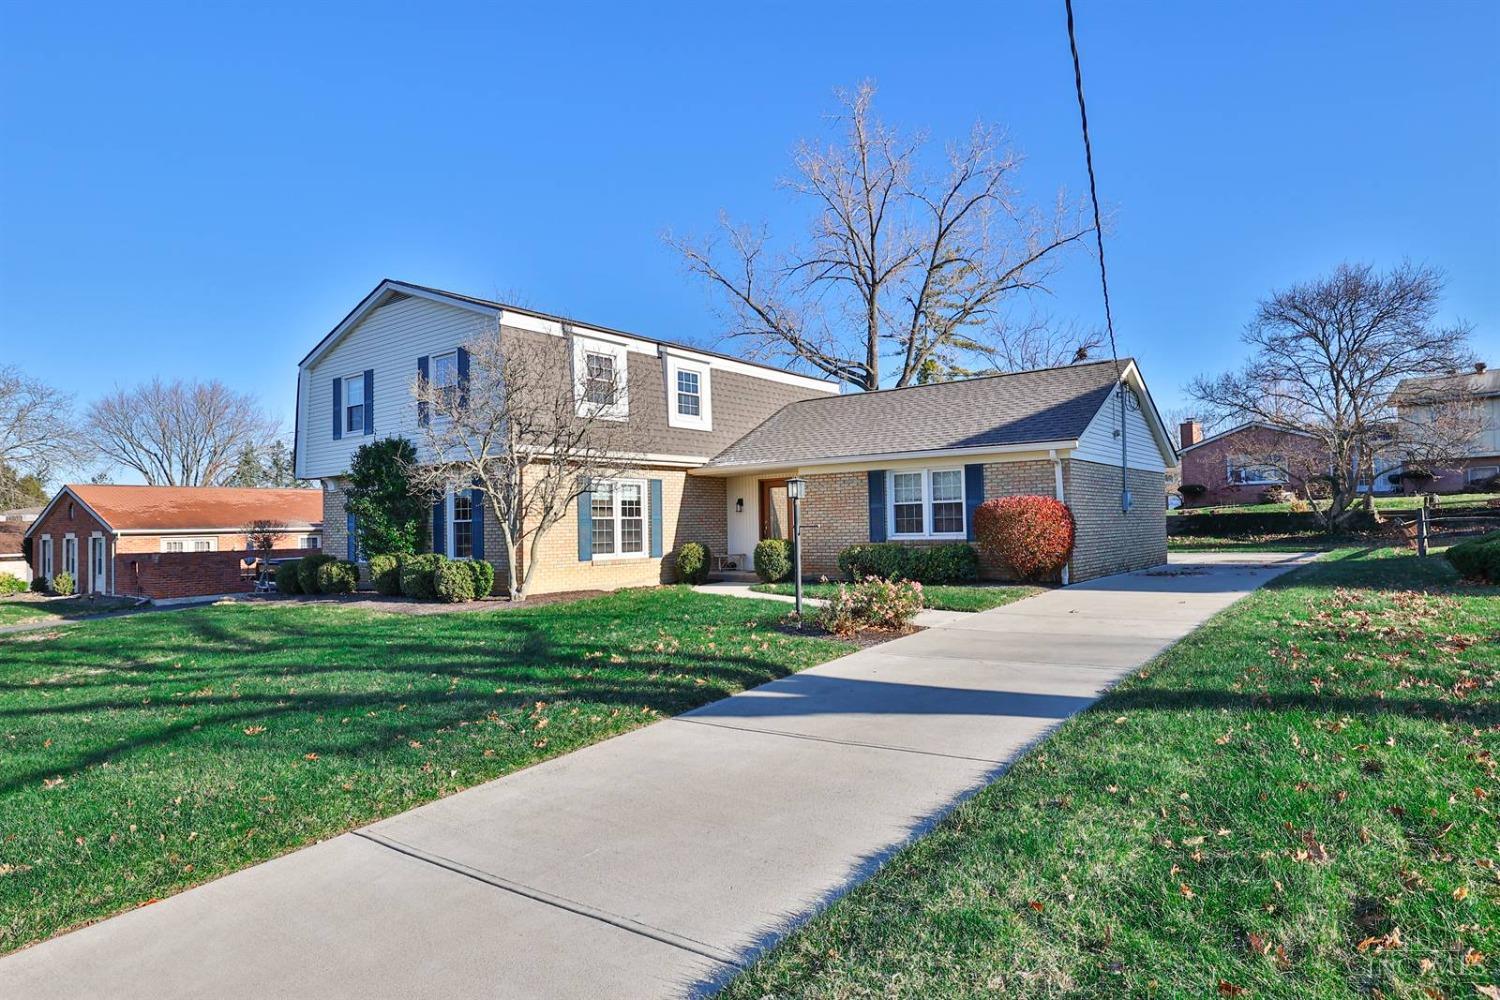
<point>204,191</point>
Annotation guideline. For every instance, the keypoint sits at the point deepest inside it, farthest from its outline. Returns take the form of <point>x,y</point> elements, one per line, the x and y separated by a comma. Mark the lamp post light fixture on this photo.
<point>796,489</point>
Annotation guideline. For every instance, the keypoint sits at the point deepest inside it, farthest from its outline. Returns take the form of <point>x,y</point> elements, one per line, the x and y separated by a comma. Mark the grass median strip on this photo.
<point>1298,800</point>
<point>142,755</point>
<point>940,597</point>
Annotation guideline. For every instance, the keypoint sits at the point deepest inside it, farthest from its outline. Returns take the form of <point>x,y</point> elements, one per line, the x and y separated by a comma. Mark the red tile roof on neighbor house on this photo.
<point>174,508</point>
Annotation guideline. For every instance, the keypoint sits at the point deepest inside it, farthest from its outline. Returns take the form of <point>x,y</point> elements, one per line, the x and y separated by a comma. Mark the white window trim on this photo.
<point>312,542</point>
<point>189,542</point>
<point>70,555</point>
<point>645,552</point>
<point>359,380</point>
<point>927,534</point>
<point>704,421</point>
<point>450,541</point>
<point>46,559</point>
<point>1230,466</point>
<point>98,575</point>
<point>582,348</point>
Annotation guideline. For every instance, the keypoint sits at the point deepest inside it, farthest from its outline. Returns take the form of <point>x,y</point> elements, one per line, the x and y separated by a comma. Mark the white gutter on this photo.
<point>1061,495</point>
<point>893,456</point>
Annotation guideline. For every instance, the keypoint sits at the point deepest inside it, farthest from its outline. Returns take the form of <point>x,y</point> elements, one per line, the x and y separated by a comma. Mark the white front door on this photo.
<point>96,565</point>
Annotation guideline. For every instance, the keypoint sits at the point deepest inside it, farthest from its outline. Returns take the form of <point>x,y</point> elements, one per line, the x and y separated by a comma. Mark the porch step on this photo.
<point>734,576</point>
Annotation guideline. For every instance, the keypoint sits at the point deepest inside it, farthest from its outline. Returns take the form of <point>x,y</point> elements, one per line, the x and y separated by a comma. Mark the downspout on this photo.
<point>1057,478</point>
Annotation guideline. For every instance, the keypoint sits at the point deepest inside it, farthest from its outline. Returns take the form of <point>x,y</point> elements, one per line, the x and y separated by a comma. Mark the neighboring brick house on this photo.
<point>1238,465</point>
<point>164,542</point>
<point>1416,401</point>
<point>902,464</point>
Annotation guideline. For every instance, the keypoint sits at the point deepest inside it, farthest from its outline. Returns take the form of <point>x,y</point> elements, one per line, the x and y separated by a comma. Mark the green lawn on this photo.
<point>1296,801</point>
<point>23,610</point>
<point>141,755</point>
<point>1381,504</point>
<point>1304,542</point>
<point>942,597</point>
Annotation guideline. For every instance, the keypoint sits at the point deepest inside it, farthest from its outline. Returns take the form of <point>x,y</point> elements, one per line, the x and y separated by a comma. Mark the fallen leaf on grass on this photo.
<point>254,730</point>
<point>1461,893</point>
<point>1035,906</point>
<point>1228,989</point>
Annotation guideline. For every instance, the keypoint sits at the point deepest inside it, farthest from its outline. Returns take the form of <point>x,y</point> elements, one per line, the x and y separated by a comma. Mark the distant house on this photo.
<point>1421,401</point>
<point>906,465</point>
<point>1238,465</point>
<point>12,528</point>
<point>164,542</point>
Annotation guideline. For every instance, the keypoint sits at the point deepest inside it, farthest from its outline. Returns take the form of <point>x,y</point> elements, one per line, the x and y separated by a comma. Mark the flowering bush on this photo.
<point>1032,535</point>
<point>871,603</point>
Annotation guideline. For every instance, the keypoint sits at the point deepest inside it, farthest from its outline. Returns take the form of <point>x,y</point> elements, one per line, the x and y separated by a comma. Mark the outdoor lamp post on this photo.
<point>796,488</point>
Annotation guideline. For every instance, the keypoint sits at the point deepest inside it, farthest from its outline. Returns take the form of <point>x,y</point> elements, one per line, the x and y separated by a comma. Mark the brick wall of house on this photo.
<point>1207,464</point>
<point>1035,477</point>
<point>67,517</point>
<point>1107,540</point>
<point>835,515</point>
<point>1450,480</point>
<point>165,576</point>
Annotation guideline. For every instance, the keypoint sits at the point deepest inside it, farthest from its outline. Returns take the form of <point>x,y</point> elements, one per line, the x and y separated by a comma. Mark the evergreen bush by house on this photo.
<point>453,581</point>
<point>484,578</point>
<point>11,584</point>
<point>39,585</point>
<point>955,562</point>
<point>1032,535</point>
<point>288,579</point>
<point>417,575</point>
<point>338,577</point>
<point>307,571</point>
<point>62,584</point>
<point>385,574</point>
<point>773,559</point>
<point>692,563</point>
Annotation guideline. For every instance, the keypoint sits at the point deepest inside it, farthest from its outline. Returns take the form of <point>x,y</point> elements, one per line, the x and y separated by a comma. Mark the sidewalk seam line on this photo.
<point>845,743</point>
<point>549,899</point>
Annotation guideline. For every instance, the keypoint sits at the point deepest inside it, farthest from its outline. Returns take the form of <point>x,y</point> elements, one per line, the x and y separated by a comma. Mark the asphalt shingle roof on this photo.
<point>180,507</point>
<point>1049,404</point>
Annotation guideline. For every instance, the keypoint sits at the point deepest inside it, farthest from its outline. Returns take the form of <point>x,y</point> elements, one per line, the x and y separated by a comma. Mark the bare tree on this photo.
<point>263,534</point>
<point>179,433</point>
<point>903,264</point>
<point>38,435</point>
<point>527,431</point>
<point>1326,358</point>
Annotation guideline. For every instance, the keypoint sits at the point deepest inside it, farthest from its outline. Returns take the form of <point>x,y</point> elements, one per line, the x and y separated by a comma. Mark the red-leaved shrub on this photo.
<point>1033,535</point>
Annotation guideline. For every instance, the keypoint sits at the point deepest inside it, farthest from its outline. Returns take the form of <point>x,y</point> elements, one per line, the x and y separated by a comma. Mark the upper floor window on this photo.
<point>600,376</point>
<point>689,399</point>
<point>445,371</point>
<point>599,379</point>
<point>1268,470</point>
<point>927,503</point>
<point>354,404</point>
<point>618,511</point>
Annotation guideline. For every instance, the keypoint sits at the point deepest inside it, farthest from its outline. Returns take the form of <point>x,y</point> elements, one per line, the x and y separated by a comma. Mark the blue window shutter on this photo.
<point>585,527</point>
<point>338,408</point>
<point>369,401</point>
<point>439,526</point>
<point>656,539</point>
<point>422,369</point>
<point>973,495</point>
<point>463,377</point>
<point>877,504</point>
<point>476,506</point>
<point>351,545</point>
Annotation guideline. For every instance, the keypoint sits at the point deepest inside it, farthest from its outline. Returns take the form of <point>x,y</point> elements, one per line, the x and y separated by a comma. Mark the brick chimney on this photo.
<point>1190,433</point>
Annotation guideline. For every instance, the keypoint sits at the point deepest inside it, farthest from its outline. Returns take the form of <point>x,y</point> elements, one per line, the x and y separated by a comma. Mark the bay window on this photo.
<point>927,503</point>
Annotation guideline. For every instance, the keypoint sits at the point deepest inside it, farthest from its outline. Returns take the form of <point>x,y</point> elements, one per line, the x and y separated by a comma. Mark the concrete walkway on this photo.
<point>657,863</point>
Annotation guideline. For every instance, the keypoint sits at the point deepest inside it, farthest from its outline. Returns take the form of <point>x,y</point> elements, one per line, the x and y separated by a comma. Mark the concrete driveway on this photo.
<point>657,863</point>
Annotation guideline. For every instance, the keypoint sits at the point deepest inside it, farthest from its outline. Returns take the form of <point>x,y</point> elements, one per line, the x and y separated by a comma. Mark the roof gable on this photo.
<point>1248,425</point>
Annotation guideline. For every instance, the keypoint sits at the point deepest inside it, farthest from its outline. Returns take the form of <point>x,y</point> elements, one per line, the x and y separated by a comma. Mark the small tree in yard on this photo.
<point>1326,359</point>
<point>1033,535</point>
<point>262,535</point>
<point>520,427</point>
<point>386,501</point>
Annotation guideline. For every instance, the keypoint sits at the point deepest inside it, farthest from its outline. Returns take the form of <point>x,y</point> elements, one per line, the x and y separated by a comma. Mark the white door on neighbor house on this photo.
<point>96,565</point>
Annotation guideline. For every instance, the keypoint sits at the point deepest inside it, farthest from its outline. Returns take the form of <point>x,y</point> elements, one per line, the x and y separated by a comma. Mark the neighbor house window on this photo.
<point>619,518</point>
<point>312,542</point>
<point>927,503</point>
<point>208,544</point>
<point>354,404</point>
<point>463,526</point>
<point>1480,472</point>
<point>445,372</point>
<point>1243,471</point>
<point>689,395</point>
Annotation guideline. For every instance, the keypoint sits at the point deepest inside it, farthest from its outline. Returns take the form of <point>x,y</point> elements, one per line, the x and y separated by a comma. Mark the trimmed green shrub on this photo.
<point>1478,558</point>
<point>453,581</point>
<point>1032,535</point>
<point>773,559</point>
<point>338,577</point>
<point>692,563</point>
<point>288,579</point>
<point>307,571</point>
<point>12,584</point>
<point>385,575</point>
<point>39,585</point>
<point>417,575</point>
<point>1248,521</point>
<point>871,603</point>
<point>1192,491</point>
<point>62,584</point>
<point>954,562</point>
<point>484,578</point>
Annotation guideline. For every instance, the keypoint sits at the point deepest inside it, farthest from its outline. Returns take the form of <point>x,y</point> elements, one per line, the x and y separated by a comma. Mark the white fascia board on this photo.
<point>1002,453</point>
<point>373,301</point>
<point>1158,426</point>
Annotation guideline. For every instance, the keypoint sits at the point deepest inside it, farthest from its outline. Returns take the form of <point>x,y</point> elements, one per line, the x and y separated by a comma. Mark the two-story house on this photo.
<point>726,434</point>
<point>1421,403</point>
